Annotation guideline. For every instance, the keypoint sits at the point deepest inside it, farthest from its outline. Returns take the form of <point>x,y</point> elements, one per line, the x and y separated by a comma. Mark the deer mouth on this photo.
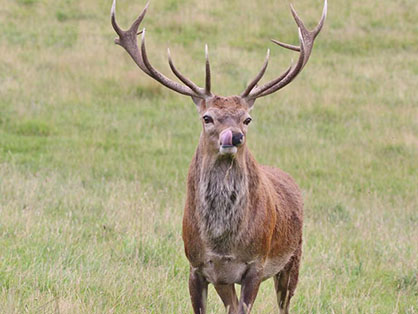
<point>230,141</point>
<point>226,145</point>
<point>228,150</point>
<point>226,138</point>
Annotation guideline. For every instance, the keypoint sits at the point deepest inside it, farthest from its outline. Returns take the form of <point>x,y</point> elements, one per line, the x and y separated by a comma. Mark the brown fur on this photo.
<point>271,227</point>
<point>242,221</point>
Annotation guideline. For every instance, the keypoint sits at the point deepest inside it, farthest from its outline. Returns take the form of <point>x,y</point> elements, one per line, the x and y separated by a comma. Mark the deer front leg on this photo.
<point>228,297</point>
<point>249,289</point>
<point>198,287</point>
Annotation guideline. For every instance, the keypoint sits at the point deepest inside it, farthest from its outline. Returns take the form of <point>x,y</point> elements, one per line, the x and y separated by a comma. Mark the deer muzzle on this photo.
<point>229,141</point>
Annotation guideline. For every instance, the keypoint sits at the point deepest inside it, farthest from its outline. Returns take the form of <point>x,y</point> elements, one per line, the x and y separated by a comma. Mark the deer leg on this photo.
<point>285,282</point>
<point>281,283</point>
<point>228,297</point>
<point>249,288</point>
<point>198,287</point>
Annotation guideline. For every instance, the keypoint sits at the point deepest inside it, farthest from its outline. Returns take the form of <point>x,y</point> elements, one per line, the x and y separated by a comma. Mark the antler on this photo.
<point>128,40</point>
<point>306,39</point>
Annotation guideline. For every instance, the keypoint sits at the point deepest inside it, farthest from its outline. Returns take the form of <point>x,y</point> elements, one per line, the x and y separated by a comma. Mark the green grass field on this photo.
<point>94,154</point>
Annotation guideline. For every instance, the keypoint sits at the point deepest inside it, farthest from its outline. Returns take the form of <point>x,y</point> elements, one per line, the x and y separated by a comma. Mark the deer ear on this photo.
<point>200,103</point>
<point>250,103</point>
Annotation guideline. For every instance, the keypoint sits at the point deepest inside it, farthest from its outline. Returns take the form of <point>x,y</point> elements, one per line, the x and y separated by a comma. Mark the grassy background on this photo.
<point>94,154</point>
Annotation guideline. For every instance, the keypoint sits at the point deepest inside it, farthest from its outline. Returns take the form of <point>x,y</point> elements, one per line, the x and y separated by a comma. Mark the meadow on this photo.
<point>94,154</point>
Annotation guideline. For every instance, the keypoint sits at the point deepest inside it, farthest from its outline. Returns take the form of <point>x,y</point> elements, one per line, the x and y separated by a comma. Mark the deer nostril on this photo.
<point>237,139</point>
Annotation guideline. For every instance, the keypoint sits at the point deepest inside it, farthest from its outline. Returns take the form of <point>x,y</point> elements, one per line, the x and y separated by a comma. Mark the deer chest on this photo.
<point>223,200</point>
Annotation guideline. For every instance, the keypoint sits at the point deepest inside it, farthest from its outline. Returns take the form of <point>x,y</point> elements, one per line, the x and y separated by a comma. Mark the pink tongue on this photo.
<point>226,138</point>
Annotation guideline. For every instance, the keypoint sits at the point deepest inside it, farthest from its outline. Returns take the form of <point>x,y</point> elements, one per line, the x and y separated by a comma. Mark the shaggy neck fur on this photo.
<point>223,195</point>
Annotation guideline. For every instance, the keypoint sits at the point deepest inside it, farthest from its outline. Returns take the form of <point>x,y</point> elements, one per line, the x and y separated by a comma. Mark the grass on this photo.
<point>94,155</point>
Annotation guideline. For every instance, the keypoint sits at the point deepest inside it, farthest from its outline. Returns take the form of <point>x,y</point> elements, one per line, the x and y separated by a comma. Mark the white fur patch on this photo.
<point>228,150</point>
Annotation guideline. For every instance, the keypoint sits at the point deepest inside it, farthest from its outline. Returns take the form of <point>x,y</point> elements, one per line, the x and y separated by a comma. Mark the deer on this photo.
<point>242,221</point>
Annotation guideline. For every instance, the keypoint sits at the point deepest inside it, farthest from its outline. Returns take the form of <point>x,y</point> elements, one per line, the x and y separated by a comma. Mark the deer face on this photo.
<point>225,123</point>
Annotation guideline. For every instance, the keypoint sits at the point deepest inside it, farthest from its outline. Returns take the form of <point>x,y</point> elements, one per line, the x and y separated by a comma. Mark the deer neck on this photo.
<point>223,197</point>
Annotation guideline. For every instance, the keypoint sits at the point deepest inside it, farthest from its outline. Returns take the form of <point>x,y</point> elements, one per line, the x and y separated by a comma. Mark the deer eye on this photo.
<point>207,119</point>
<point>247,121</point>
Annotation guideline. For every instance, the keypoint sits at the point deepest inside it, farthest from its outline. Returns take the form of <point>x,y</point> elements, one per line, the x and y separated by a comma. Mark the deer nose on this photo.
<point>230,139</point>
<point>237,139</point>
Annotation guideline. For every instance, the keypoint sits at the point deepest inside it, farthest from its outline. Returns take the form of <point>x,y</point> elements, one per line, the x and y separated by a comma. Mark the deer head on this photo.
<point>224,119</point>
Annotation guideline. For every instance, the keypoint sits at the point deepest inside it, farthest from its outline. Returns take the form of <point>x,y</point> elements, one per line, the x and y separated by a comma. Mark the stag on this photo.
<point>242,221</point>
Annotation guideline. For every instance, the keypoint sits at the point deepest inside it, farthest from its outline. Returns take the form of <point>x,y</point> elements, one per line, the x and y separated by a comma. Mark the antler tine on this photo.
<point>297,19</point>
<point>135,25</point>
<point>115,25</point>
<point>284,45</point>
<point>283,79</point>
<point>181,77</point>
<point>127,39</point>
<point>158,76</point>
<point>258,77</point>
<point>321,22</point>
<point>207,80</point>
<point>137,22</point>
<point>306,39</point>
<point>308,36</point>
<point>258,91</point>
<point>292,74</point>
